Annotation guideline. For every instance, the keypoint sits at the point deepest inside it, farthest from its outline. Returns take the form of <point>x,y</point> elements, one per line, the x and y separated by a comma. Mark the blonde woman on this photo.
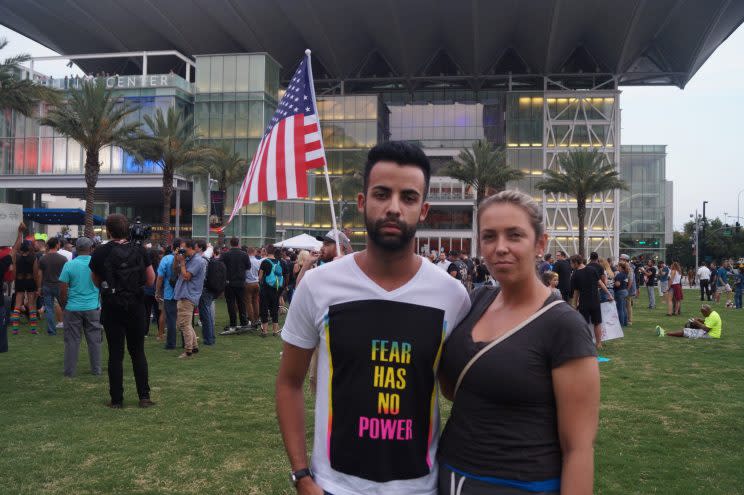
<point>522,371</point>
<point>610,280</point>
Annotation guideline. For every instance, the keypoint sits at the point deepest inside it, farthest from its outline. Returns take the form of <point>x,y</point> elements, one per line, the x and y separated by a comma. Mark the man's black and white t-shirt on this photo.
<point>376,409</point>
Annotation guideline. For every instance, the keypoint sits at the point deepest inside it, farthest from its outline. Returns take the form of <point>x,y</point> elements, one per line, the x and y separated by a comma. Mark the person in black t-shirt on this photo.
<point>6,262</point>
<point>562,267</point>
<point>481,274</point>
<point>236,263</point>
<point>504,432</point>
<point>650,273</point>
<point>270,286</point>
<point>123,324</point>
<point>585,284</point>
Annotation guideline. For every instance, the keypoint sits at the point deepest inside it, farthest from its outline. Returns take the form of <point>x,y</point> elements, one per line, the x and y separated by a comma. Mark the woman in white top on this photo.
<point>676,288</point>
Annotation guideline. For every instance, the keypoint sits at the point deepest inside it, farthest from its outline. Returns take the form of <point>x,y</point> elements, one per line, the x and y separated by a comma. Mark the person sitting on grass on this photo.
<point>698,328</point>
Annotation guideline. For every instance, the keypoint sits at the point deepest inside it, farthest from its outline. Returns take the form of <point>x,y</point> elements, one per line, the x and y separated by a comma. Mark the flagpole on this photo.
<point>325,161</point>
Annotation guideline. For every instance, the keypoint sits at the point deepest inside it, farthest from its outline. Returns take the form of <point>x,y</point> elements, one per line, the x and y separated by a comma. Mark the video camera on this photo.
<point>139,231</point>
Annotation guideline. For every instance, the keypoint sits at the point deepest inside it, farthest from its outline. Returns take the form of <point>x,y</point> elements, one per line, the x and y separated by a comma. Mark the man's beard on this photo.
<point>389,242</point>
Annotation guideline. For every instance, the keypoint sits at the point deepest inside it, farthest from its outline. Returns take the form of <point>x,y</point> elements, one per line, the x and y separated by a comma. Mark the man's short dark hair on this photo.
<point>117,226</point>
<point>577,259</point>
<point>52,243</point>
<point>234,241</point>
<point>202,244</point>
<point>547,256</point>
<point>401,153</point>
<point>562,253</point>
<point>189,243</point>
<point>593,256</point>
<point>177,243</point>
<point>270,249</point>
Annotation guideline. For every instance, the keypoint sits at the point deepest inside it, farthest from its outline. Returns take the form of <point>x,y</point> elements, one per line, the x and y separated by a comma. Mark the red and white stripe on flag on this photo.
<point>292,145</point>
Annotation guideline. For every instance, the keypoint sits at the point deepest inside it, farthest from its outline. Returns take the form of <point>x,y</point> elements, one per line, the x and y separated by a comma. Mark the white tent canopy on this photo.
<point>302,241</point>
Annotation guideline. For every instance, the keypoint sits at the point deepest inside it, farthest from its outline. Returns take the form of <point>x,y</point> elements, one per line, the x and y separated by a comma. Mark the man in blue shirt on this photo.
<point>192,268</point>
<point>739,286</point>
<point>164,293</point>
<point>722,284</point>
<point>79,298</point>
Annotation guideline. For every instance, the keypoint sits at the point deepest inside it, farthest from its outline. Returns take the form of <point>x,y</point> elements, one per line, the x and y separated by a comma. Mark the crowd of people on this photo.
<point>381,331</point>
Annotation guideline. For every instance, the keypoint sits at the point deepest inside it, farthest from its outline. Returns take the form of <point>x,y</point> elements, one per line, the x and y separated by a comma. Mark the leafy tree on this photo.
<point>482,167</point>
<point>21,95</point>
<point>172,145</point>
<point>227,168</point>
<point>582,175</point>
<point>95,118</point>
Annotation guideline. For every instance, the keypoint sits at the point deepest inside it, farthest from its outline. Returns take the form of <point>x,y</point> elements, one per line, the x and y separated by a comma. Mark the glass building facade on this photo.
<point>235,96</point>
<point>645,226</point>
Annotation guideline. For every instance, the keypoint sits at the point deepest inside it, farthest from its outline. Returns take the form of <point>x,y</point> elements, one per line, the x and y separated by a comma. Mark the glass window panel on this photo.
<point>229,72</point>
<point>47,151</point>
<point>242,73</point>
<point>201,119</point>
<point>31,155</point>
<point>215,119</point>
<point>74,161</point>
<point>18,156</point>
<point>256,119</point>
<point>203,72</point>
<point>256,79</point>
<point>228,119</point>
<point>242,118</point>
<point>215,85</point>
<point>104,156</point>
<point>116,160</point>
<point>60,155</point>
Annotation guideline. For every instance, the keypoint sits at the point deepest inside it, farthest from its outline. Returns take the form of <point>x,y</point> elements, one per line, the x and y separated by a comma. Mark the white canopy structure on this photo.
<point>302,241</point>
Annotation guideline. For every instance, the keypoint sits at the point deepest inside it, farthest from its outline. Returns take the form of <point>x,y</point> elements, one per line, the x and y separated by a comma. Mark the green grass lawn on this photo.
<point>671,419</point>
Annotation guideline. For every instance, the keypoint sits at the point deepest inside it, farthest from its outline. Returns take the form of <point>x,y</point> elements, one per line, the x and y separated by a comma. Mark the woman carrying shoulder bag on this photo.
<point>522,370</point>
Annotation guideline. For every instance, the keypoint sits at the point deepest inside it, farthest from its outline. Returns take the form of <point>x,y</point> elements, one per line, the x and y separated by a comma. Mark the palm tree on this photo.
<point>483,168</point>
<point>95,118</point>
<point>171,144</point>
<point>583,174</point>
<point>227,168</point>
<point>21,95</point>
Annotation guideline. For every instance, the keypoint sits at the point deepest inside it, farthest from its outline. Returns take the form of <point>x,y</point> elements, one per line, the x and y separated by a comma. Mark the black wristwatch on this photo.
<point>296,476</point>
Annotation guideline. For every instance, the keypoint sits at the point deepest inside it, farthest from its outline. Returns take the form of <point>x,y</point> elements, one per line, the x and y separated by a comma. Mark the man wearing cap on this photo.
<point>79,298</point>
<point>327,253</point>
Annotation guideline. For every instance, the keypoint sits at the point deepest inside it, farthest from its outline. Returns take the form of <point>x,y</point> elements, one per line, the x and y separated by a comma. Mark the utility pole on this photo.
<point>702,238</point>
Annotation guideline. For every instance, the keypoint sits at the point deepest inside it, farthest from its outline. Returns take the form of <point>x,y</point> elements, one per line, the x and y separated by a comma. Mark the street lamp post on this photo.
<point>738,200</point>
<point>702,238</point>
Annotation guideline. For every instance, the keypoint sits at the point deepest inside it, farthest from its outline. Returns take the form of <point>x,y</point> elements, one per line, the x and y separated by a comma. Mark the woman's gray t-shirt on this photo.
<point>504,420</point>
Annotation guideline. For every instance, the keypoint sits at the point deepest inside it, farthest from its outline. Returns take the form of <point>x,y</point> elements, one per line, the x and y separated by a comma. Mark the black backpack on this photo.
<point>216,278</point>
<point>124,277</point>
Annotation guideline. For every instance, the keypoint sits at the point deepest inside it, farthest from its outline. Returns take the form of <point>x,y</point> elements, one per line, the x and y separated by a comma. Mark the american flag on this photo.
<point>291,145</point>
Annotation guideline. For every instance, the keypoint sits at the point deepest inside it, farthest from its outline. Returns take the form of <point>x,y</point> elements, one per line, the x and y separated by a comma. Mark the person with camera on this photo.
<point>214,286</point>
<point>191,268</point>
<point>164,287</point>
<point>121,269</point>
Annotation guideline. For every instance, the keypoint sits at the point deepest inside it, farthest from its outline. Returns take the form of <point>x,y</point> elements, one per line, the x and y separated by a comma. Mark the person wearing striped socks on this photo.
<point>26,269</point>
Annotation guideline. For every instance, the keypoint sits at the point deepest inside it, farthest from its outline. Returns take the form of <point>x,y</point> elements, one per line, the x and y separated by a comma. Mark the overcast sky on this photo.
<point>700,125</point>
